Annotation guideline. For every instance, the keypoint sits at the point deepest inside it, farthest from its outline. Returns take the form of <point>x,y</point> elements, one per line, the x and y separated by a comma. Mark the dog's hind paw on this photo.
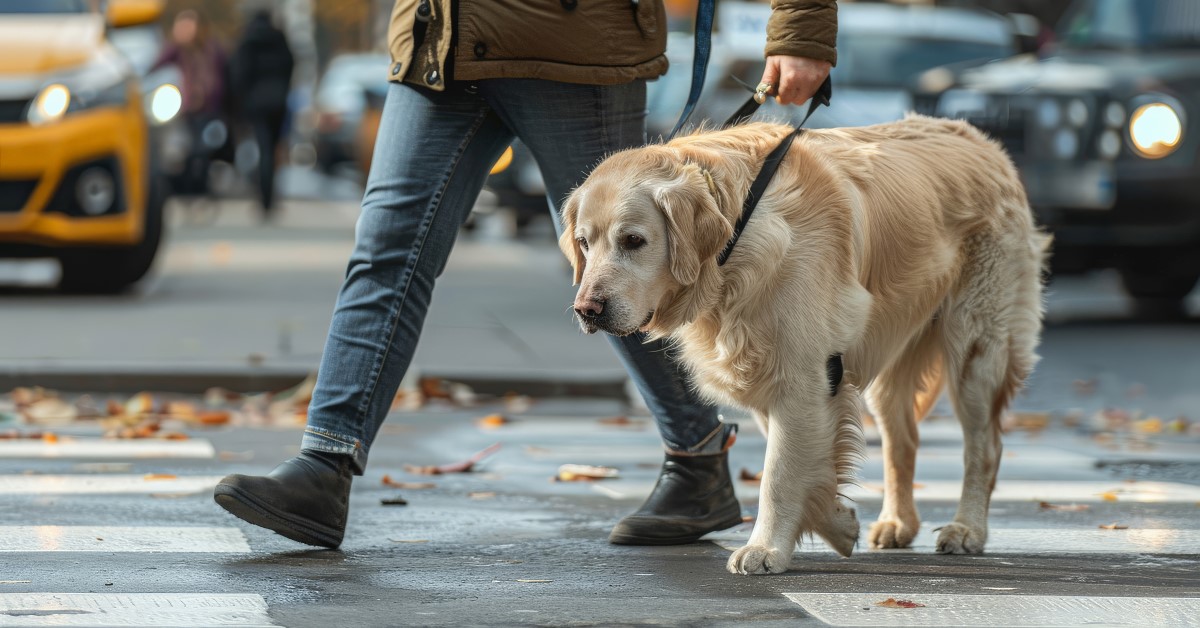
<point>959,538</point>
<point>891,534</point>
<point>758,559</point>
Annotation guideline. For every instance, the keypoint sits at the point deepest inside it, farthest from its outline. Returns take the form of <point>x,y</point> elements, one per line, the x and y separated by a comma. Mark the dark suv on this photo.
<point>1099,126</point>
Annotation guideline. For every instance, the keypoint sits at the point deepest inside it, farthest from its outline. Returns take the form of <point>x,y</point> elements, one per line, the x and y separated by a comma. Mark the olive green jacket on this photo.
<point>596,42</point>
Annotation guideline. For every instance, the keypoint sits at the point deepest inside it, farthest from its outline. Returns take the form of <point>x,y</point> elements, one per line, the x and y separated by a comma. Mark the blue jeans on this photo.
<point>432,155</point>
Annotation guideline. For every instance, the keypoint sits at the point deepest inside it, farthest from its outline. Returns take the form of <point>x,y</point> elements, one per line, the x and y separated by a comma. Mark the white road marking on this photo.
<point>104,484</point>
<point>1006,490</point>
<point>121,539</point>
<point>1024,541</point>
<point>941,609</point>
<point>85,448</point>
<point>103,610</point>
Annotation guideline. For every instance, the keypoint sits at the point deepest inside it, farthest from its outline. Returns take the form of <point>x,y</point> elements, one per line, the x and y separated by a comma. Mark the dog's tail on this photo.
<point>849,443</point>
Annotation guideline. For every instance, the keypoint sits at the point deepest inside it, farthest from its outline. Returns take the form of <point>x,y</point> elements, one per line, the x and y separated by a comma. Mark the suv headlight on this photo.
<point>1156,126</point>
<point>102,82</point>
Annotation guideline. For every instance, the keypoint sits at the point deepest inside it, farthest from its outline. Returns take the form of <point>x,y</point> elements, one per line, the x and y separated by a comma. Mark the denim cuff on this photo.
<point>317,439</point>
<point>717,442</point>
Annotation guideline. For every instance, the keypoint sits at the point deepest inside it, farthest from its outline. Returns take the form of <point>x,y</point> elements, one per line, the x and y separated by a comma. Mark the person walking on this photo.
<point>568,79</point>
<point>262,75</point>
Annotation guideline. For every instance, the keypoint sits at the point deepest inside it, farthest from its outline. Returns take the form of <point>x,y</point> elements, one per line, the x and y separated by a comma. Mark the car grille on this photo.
<point>1009,126</point>
<point>13,110</point>
<point>14,194</point>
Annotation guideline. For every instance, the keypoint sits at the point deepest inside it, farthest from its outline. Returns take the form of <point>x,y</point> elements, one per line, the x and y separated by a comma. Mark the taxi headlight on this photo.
<point>1155,129</point>
<point>164,103</point>
<point>50,104</point>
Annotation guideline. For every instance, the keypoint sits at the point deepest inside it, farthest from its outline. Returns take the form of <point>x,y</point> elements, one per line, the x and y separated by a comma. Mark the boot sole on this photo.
<point>245,507</point>
<point>634,539</point>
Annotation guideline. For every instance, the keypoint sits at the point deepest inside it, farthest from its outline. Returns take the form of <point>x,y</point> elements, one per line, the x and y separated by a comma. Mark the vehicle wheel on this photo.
<point>111,270</point>
<point>1159,295</point>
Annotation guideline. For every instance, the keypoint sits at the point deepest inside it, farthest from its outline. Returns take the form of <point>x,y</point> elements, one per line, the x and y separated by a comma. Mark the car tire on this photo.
<point>1159,294</point>
<point>111,270</point>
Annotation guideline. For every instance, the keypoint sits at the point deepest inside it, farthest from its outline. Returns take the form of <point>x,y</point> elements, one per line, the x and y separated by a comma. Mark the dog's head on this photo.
<point>641,228</point>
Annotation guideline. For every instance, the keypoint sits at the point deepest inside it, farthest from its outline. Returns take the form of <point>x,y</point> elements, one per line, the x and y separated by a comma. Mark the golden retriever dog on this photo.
<point>908,248</point>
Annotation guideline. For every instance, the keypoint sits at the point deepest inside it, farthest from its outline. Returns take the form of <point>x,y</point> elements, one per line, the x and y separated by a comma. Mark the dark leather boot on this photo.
<point>693,496</point>
<point>305,499</point>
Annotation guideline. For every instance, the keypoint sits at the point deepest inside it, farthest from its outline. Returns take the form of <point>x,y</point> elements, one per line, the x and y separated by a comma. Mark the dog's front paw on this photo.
<point>891,534</point>
<point>756,559</point>
<point>959,538</point>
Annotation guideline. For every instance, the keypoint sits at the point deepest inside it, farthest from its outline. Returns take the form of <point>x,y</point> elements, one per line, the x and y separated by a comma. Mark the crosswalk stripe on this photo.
<point>105,484</point>
<point>122,539</point>
<point>1006,490</point>
<point>1025,541</point>
<point>104,610</point>
<point>100,448</point>
<point>942,609</point>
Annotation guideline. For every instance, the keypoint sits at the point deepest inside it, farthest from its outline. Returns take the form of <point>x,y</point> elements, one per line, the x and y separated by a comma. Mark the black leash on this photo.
<point>771,164</point>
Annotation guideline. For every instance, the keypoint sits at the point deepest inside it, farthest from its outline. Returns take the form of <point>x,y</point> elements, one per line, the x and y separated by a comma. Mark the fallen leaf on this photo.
<point>892,602</point>
<point>584,473</point>
<point>464,466</point>
<point>1028,421</point>
<point>1114,526</point>
<point>492,421</point>
<point>747,476</point>
<point>394,501</point>
<point>434,388</point>
<point>159,476</point>
<point>747,519</point>
<point>173,436</point>
<point>1178,426</point>
<point>388,481</point>
<point>181,410</point>
<point>50,437</point>
<point>1108,496</point>
<point>482,494</point>
<point>213,417</point>
<point>1149,425</point>
<point>1063,507</point>
<point>139,404</point>
<point>532,580</point>
<point>49,411</point>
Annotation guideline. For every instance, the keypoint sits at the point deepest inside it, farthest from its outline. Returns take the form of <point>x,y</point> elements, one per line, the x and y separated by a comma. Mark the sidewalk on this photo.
<point>245,306</point>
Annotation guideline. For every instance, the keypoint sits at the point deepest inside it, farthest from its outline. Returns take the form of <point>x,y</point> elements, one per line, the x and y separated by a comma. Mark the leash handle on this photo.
<point>822,97</point>
<point>705,11</point>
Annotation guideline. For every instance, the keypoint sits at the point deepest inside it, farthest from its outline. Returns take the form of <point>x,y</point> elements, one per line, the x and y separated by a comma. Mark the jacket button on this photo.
<point>480,49</point>
<point>424,11</point>
<point>432,77</point>
<point>570,4</point>
<point>395,69</point>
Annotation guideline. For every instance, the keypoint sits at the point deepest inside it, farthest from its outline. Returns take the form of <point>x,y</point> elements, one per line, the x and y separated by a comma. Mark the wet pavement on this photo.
<point>507,546</point>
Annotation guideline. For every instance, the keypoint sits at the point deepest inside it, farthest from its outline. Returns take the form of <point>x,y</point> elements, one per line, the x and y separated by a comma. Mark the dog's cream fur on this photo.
<point>907,247</point>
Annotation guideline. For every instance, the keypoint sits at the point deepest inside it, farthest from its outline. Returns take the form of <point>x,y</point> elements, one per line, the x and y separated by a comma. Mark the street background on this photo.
<point>120,412</point>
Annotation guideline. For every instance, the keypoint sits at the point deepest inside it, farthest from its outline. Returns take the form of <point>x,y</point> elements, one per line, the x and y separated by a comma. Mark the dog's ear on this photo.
<point>695,226</point>
<point>567,241</point>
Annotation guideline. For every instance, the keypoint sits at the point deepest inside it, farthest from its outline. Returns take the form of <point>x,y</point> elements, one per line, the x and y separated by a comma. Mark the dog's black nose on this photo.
<point>590,307</point>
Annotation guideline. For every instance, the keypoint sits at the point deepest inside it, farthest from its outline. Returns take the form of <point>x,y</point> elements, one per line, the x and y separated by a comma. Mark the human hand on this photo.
<point>794,80</point>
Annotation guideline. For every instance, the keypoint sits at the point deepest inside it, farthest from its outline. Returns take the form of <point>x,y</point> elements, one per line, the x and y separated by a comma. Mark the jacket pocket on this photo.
<point>645,17</point>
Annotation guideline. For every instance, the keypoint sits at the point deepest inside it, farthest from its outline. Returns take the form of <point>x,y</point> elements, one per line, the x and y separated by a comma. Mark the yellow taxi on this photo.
<point>76,175</point>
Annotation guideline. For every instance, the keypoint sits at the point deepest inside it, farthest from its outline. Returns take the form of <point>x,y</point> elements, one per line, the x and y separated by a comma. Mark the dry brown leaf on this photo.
<point>482,494</point>
<point>50,437</point>
<point>492,421</point>
<point>213,417</point>
<point>747,476</point>
<point>1109,496</point>
<point>584,473</point>
<point>433,388</point>
<point>747,519</point>
<point>388,481</point>
<point>464,466</point>
<point>159,476</point>
<point>1063,507</point>
<point>1149,425</point>
<point>892,602</point>
<point>173,436</point>
<point>139,404</point>
<point>1114,526</point>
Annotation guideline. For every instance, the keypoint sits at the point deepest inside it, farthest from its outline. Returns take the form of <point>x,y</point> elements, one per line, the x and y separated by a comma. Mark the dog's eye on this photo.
<point>633,241</point>
<point>582,243</point>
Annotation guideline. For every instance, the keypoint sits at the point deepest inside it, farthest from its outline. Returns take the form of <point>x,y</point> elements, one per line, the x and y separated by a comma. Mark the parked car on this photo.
<point>881,48</point>
<point>76,181</point>
<point>1100,127</point>
<point>339,105</point>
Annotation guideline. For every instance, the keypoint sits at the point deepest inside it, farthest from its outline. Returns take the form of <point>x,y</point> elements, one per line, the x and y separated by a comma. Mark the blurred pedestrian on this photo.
<point>202,66</point>
<point>262,76</point>
<point>568,79</point>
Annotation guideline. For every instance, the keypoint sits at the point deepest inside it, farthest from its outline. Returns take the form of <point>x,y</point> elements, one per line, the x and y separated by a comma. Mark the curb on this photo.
<point>195,380</point>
